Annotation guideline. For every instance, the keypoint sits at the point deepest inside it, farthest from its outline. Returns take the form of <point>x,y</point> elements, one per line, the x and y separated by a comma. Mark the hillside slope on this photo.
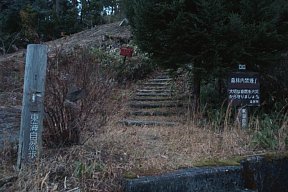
<point>108,37</point>
<point>94,37</point>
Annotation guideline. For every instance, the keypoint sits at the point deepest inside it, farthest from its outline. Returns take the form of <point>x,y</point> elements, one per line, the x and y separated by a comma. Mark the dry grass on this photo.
<point>116,152</point>
<point>168,148</point>
<point>101,163</point>
<point>104,160</point>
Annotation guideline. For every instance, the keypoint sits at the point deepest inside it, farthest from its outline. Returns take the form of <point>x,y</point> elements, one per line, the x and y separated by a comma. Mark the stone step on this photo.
<point>143,105</point>
<point>157,84</point>
<point>153,95</point>
<point>151,99</point>
<point>151,113</point>
<point>159,80</point>
<point>243,190</point>
<point>129,122</point>
<point>163,76</point>
<point>156,88</point>
<point>154,91</point>
<point>169,118</point>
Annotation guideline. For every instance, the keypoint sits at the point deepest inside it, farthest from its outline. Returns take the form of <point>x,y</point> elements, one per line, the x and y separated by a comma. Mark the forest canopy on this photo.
<point>214,36</point>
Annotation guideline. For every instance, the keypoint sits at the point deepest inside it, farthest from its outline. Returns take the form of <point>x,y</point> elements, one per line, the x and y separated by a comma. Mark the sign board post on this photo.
<point>243,91</point>
<point>242,116</point>
<point>30,139</point>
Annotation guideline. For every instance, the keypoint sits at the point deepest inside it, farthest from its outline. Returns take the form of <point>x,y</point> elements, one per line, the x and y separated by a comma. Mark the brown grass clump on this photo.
<point>168,148</point>
<point>78,87</point>
<point>104,160</point>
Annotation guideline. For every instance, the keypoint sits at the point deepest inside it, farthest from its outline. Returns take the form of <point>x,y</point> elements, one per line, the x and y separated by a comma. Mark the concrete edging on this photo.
<point>259,173</point>
<point>192,180</point>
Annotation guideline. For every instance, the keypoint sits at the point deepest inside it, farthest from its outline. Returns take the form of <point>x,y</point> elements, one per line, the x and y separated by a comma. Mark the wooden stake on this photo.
<point>30,140</point>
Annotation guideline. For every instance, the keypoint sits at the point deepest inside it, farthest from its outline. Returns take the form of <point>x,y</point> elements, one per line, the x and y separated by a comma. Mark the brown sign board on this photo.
<point>244,89</point>
<point>126,51</point>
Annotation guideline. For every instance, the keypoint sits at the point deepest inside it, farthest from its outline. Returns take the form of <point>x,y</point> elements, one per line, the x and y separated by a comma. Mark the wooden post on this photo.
<point>242,117</point>
<point>124,60</point>
<point>30,140</point>
<point>243,110</point>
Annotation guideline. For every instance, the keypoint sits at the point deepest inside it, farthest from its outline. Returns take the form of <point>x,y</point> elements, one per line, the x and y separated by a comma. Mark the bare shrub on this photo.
<point>77,88</point>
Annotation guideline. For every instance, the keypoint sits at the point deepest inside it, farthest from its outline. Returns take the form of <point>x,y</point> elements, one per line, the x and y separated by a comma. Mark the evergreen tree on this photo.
<point>31,21</point>
<point>90,13</point>
<point>212,35</point>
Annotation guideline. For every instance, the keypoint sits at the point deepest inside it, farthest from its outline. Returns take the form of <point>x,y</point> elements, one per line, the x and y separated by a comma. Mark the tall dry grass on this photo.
<point>120,152</point>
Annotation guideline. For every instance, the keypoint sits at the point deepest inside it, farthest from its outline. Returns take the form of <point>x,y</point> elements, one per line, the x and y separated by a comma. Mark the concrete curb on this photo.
<point>258,173</point>
<point>190,180</point>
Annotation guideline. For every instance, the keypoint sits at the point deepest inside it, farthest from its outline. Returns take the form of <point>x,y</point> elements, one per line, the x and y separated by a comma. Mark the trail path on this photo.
<point>154,103</point>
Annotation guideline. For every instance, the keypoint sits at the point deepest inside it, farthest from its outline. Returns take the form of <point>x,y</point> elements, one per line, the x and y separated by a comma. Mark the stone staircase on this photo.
<point>154,103</point>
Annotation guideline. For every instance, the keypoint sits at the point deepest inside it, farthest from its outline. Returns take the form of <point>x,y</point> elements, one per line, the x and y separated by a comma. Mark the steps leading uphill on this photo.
<point>154,103</point>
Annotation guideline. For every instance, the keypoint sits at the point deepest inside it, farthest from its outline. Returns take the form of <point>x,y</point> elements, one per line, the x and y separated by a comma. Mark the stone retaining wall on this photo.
<point>259,173</point>
<point>266,173</point>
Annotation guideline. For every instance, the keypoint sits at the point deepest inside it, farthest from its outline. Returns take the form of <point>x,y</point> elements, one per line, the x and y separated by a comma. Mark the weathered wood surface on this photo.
<point>30,140</point>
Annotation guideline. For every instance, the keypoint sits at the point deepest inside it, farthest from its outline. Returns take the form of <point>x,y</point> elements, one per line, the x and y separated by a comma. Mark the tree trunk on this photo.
<point>57,7</point>
<point>219,86</point>
<point>196,93</point>
<point>75,3</point>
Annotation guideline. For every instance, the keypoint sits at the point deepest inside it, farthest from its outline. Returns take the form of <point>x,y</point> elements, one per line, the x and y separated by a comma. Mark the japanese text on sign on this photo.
<point>244,89</point>
<point>244,80</point>
<point>33,138</point>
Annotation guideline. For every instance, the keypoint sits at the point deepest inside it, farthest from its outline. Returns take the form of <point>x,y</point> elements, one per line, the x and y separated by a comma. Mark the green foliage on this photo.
<point>271,130</point>
<point>28,18</point>
<point>211,93</point>
<point>84,170</point>
<point>41,20</point>
<point>133,69</point>
<point>90,13</point>
<point>10,26</point>
<point>203,31</point>
<point>266,137</point>
<point>235,161</point>
<point>213,35</point>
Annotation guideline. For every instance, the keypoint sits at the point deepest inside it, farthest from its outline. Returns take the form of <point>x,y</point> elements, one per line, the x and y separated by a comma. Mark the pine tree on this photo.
<point>212,35</point>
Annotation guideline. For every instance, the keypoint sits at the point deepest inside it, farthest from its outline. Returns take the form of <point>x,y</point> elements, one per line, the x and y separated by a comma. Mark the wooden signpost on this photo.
<point>243,91</point>
<point>30,140</point>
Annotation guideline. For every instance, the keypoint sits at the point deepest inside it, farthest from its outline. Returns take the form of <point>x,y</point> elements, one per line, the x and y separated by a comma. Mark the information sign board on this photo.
<point>244,89</point>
